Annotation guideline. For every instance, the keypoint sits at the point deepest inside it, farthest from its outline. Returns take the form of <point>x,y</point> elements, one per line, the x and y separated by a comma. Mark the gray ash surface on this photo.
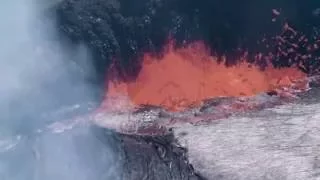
<point>276,143</point>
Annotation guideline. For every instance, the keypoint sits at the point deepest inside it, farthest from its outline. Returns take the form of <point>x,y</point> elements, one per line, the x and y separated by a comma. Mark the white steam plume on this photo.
<point>38,75</point>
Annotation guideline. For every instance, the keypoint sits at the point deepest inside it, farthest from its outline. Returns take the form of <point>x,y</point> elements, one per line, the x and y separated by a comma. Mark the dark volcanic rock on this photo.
<point>156,158</point>
<point>124,29</point>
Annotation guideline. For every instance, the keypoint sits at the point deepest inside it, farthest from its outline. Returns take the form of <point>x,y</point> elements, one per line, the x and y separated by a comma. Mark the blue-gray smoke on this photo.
<point>39,77</point>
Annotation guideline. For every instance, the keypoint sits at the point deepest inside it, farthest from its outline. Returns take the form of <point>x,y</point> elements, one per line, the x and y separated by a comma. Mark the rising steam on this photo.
<point>38,75</point>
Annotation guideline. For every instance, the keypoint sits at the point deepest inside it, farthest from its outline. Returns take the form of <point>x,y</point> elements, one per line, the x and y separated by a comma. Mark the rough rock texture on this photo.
<point>125,29</point>
<point>277,143</point>
<point>156,158</point>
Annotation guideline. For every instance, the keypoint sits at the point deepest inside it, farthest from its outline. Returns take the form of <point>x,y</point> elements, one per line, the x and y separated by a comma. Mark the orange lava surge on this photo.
<point>185,77</point>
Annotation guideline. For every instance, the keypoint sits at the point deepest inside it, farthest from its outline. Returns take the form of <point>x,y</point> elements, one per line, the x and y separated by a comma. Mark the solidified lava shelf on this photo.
<point>256,142</point>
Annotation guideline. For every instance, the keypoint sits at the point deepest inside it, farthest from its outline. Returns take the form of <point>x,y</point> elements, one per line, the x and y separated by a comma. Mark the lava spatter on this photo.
<point>186,76</point>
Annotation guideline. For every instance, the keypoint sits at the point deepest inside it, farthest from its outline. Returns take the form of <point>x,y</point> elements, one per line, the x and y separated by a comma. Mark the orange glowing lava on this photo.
<point>186,76</point>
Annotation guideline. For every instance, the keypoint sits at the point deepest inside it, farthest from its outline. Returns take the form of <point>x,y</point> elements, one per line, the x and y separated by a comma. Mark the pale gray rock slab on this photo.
<point>277,143</point>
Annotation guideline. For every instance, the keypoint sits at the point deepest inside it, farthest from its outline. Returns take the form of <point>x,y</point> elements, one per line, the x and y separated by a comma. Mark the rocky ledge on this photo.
<point>271,141</point>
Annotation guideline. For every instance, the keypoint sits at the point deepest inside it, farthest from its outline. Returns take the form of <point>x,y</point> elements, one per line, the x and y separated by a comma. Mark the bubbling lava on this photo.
<point>186,76</point>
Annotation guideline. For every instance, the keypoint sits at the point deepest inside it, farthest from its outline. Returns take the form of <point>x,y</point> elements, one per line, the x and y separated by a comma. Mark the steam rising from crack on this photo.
<point>38,76</point>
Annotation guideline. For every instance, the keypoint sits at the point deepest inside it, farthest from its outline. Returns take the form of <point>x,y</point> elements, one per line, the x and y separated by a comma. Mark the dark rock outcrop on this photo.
<point>156,158</point>
<point>125,29</point>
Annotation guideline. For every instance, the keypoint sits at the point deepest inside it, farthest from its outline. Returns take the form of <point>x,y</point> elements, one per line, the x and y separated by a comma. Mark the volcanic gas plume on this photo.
<point>184,77</point>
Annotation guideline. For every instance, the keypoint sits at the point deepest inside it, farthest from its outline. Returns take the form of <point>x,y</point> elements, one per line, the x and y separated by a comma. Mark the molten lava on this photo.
<point>186,76</point>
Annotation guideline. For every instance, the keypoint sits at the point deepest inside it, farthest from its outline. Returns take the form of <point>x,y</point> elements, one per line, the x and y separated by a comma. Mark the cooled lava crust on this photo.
<point>149,120</point>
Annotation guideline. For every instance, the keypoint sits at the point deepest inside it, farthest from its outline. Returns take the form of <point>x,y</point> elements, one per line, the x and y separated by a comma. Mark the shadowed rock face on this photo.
<point>156,158</point>
<point>125,29</point>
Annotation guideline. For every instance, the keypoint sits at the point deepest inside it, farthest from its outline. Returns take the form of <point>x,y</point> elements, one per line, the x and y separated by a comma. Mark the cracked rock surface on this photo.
<point>273,144</point>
